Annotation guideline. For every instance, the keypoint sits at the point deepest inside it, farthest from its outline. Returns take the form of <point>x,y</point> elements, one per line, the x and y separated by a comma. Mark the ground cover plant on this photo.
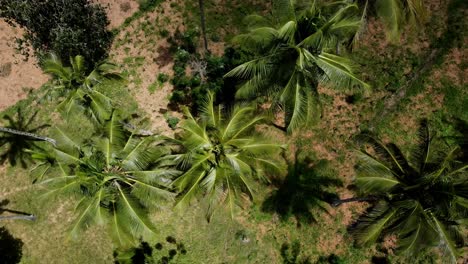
<point>154,156</point>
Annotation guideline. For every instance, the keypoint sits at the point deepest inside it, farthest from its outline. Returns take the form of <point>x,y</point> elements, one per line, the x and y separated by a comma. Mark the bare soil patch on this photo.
<point>118,10</point>
<point>17,76</point>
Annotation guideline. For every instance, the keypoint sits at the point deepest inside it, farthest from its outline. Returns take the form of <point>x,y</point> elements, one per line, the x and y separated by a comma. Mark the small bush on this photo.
<point>162,77</point>
<point>147,5</point>
<point>164,33</point>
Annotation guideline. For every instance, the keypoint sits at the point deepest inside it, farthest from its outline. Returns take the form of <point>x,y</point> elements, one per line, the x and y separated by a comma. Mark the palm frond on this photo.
<point>390,11</point>
<point>134,215</point>
<point>339,70</point>
<point>90,212</point>
<point>449,249</point>
<point>371,226</point>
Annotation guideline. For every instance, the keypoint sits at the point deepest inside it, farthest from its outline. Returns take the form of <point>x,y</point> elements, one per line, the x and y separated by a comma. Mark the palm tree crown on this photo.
<point>76,83</point>
<point>423,199</point>
<point>221,156</point>
<point>117,177</point>
<point>295,52</point>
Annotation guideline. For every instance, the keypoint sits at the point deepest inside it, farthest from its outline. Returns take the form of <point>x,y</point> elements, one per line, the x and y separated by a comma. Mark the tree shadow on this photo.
<point>11,248</point>
<point>309,185</point>
<point>12,146</point>
<point>290,253</point>
<point>163,252</point>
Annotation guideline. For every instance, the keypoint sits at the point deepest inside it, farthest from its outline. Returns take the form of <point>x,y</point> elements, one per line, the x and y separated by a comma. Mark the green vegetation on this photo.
<point>221,158</point>
<point>420,198</point>
<point>294,53</point>
<point>66,27</point>
<point>264,151</point>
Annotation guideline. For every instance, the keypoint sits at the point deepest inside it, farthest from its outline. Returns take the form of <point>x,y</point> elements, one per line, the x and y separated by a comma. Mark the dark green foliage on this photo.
<point>331,259</point>
<point>172,121</point>
<point>10,247</point>
<point>191,90</point>
<point>162,77</point>
<point>65,27</point>
<point>290,254</point>
<point>421,197</point>
<point>186,40</point>
<point>147,5</point>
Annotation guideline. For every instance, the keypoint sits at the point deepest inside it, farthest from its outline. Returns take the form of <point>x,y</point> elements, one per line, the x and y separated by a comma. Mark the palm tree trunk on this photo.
<point>23,217</point>
<point>27,134</point>
<point>203,23</point>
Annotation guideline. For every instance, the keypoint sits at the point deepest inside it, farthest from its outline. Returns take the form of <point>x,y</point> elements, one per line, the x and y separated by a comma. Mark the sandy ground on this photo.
<point>17,76</point>
<point>154,49</point>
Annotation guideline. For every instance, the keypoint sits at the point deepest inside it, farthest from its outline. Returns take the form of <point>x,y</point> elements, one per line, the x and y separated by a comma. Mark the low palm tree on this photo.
<point>422,198</point>
<point>76,83</point>
<point>117,178</point>
<point>222,156</point>
<point>294,52</point>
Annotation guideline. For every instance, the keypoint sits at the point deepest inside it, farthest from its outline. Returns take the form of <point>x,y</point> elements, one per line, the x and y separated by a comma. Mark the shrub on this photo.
<point>162,77</point>
<point>172,121</point>
<point>147,5</point>
<point>65,27</point>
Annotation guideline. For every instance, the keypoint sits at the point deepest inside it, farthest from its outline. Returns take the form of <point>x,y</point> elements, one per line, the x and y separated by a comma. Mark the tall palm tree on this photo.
<point>222,156</point>
<point>76,83</point>
<point>294,52</point>
<point>422,198</point>
<point>117,178</point>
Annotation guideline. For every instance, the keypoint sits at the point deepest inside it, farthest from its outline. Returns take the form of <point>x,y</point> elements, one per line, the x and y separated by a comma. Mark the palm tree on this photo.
<point>18,137</point>
<point>117,177</point>
<point>222,156</point>
<point>294,52</point>
<point>422,198</point>
<point>395,15</point>
<point>76,83</point>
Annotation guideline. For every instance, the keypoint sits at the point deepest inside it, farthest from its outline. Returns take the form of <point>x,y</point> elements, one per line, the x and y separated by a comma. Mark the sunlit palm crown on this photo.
<point>423,199</point>
<point>76,83</point>
<point>222,157</point>
<point>295,51</point>
<point>118,176</point>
